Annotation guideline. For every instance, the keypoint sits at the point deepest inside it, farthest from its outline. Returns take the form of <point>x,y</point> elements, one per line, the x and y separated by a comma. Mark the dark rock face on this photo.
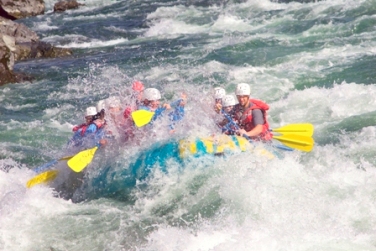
<point>5,14</point>
<point>23,8</point>
<point>6,65</point>
<point>41,50</point>
<point>17,42</point>
<point>66,5</point>
<point>5,71</point>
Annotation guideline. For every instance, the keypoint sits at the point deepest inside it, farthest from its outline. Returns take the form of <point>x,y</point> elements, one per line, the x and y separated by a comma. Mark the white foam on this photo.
<point>18,107</point>
<point>227,22</point>
<point>318,105</point>
<point>172,27</point>
<point>116,29</point>
<point>95,43</point>
<point>45,25</point>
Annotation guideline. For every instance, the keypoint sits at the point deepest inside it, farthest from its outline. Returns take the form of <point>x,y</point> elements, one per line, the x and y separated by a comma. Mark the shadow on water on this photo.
<point>350,74</point>
<point>330,134</point>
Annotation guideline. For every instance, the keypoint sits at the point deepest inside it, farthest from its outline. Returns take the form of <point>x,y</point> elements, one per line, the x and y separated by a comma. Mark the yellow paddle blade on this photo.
<point>142,117</point>
<point>300,142</point>
<point>82,159</point>
<point>296,129</point>
<point>42,178</point>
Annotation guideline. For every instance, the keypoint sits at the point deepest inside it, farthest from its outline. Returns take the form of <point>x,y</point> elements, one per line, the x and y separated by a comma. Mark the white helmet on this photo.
<point>100,105</point>
<point>228,100</point>
<point>113,102</point>
<point>91,111</point>
<point>151,94</point>
<point>243,89</point>
<point>219,92</point>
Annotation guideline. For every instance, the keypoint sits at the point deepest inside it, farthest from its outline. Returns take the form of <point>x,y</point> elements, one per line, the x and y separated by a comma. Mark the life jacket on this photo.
<point>81,127</point>
<point>98,123</point>
<point>244,118</point>
<point>127,112</point>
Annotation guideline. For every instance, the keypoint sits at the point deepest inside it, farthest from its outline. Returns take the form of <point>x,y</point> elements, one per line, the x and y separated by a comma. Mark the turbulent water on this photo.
<point>312,62</point>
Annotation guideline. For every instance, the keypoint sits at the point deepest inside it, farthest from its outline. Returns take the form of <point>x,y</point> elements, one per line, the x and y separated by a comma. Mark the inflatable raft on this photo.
<point>118,179</point>
<point>93,174</point>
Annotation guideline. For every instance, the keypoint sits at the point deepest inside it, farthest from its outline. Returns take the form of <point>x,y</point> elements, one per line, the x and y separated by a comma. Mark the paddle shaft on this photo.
<point>47,166</point>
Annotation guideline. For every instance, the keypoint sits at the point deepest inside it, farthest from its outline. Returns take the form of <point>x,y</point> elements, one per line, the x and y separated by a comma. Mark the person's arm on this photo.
<point>159,111</point>
<point>99,137</point>
<point>176,103</point>
<point>180,102</point>
<point>77,127</point>
<point>252,133</point>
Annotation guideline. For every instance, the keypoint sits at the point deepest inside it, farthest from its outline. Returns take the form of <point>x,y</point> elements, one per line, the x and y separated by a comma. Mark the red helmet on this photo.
<point>138,86</point>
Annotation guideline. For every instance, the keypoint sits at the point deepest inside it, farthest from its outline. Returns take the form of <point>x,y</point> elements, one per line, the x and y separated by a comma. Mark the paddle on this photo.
<point>297,129</point>
<point>46,166</point>
<point>42,178</point>
<point>142,117</point>
<point>300,142</point>
<point>78,162</point>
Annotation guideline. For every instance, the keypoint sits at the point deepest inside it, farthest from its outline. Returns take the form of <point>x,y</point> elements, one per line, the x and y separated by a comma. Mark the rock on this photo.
<point>66,5</point>
<point>23,8</point>
<point>6,65</point>
<point>17,42</point>
<point>40,50</point>
<point>6,73</point>
<point>5,14</point>
<point>19,31</point>
<point>10,43</point>
<point>19,34</point>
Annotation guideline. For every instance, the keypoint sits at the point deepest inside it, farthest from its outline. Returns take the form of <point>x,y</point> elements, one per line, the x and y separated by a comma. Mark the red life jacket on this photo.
<point>83,128</point>
<point>98,123</point>
<point>244,118</point>
<point>127,112</point>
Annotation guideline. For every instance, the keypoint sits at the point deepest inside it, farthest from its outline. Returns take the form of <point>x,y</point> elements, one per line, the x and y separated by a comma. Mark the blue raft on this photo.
<point>116,180</point>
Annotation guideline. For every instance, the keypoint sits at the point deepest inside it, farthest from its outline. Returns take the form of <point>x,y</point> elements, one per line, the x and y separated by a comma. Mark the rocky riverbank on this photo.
<point>18,42</point>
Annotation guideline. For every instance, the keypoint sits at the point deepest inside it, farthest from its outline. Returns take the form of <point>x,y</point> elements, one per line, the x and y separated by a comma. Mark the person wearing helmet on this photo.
<point>227,124</point>
<point>250,114</point>
<point>89,128</point>
<point>101,122</point>
<point>114,105</point>
<point>219,94</point>
<point>114,115</point>
<point>228,103</point>
<point>90,114</point>
<point>151,102</point>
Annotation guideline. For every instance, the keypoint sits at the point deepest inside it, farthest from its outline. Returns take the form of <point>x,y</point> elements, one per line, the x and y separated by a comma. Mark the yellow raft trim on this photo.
<point>219,144</point>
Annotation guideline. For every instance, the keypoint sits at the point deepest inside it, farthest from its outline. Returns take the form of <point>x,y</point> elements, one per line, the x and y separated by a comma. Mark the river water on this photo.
<point>312,62</point>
